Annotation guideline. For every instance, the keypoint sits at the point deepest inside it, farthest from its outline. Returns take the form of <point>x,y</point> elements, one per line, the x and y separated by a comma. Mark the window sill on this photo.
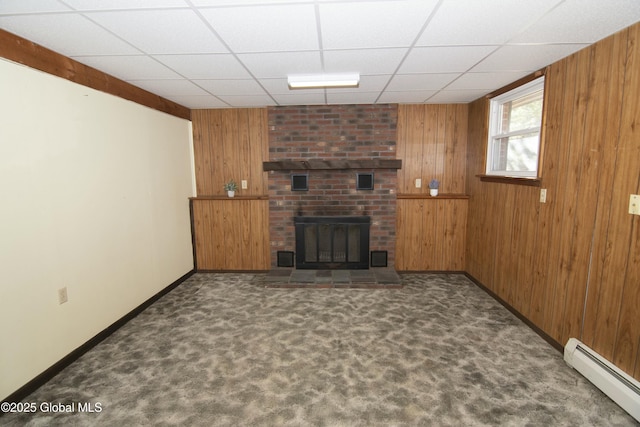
<point>532,182</point>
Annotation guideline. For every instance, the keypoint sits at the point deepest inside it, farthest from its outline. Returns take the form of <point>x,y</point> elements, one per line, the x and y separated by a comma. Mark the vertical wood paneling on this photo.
<point>439,143</point>
<point>612,52</point>
<point>432,145</point>
<point>577,256</point>
<point>410,150</point>
<point>627,181</point>
<point>231,234</point>
<point>455,217</point>
<point>230,144</point>
<point>431,234</point>
<point>542,288</point>
<point>575,212</point>
<point>457,149</point>
<point>478,120</point>
<point>259,150</point>
<point>432,142</point>
<point>523,231</point>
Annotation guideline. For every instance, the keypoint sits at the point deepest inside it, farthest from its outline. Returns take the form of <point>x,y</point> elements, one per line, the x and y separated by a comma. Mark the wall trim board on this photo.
<point>25,52</point>
<point>555,344</point>
<point>57,367</point>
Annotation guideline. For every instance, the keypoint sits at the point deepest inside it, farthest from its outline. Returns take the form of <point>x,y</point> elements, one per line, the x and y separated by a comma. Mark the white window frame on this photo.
<point>494,125</point>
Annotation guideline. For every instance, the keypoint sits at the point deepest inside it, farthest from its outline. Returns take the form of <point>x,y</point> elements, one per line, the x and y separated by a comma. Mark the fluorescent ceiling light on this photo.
<point>310,81</point>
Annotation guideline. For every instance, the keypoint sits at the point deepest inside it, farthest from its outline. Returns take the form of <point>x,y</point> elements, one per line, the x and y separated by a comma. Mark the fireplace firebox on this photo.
<point>332,242</point>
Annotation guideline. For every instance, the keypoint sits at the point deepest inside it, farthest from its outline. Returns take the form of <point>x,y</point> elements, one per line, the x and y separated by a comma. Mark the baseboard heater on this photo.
<point>620,387</point>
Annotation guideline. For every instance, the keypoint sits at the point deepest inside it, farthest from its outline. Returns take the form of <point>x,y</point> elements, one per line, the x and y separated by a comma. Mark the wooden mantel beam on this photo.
<point>318,164</point>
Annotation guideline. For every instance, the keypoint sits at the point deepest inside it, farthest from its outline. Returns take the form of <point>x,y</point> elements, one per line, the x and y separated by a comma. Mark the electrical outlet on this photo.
<point>418,183</point>
<point>244,184</point>
<point>62,295</point>
<point>543,195</point>
<point>634,204</point>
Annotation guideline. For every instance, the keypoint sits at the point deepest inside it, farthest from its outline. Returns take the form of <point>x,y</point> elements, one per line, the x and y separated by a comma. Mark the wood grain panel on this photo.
<point>577,256</point>
<point>478,120</point>
<point>432,145</point>
<point>230,144</point>
<point>431,234</point>
<point>542,288</point>
<point>627,181</point>
<point>572,211</point>
<point>612,51</point>
<point>231,234</point>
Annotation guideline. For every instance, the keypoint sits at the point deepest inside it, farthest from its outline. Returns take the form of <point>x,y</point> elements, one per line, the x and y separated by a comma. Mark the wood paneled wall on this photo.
<point>431,234</point>
<point>230,144</point>
<point>231,234</point>
<point>432,143</point>
<point>570,265</point>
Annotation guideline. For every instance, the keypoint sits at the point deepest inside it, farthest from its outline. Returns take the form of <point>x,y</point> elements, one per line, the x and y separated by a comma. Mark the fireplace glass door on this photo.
<point>330,243</point>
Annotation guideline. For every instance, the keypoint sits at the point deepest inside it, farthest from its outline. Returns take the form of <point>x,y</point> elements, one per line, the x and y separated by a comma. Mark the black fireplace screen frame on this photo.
<point>329,226</point>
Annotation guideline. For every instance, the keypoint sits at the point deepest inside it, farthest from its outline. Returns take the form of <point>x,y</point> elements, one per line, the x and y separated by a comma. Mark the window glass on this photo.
<point>514,131</point>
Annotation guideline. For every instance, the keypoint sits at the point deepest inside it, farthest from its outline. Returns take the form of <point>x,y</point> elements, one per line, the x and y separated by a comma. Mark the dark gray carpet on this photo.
<point>222,351</point>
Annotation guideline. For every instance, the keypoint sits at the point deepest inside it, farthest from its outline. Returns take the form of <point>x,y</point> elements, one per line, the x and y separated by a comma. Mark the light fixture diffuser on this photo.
<point>317,81</point>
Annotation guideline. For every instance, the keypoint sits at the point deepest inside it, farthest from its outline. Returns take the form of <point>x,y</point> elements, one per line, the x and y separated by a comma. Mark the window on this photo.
<point>514,131</point>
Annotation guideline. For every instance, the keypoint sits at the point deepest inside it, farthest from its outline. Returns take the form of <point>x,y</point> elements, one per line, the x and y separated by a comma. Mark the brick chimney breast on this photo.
<point>333,132</point>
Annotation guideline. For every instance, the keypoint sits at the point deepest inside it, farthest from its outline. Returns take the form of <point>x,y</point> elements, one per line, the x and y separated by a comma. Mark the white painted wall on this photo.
<point>93,196</point>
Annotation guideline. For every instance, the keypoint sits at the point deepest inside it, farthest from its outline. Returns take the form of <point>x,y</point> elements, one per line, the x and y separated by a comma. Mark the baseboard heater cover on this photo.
<point>620,387</point>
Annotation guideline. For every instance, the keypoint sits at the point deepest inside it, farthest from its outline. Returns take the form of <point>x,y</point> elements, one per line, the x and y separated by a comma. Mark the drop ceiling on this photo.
<point>238,53</point>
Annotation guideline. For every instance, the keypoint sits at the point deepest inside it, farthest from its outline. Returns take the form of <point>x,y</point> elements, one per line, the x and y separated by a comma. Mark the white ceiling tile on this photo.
<point>482,81</point>
<point>27,6</point>
<point>483,22</point>
<point>230,87</point>
<point>129,67</point>
<point>124,4</point>
<point>243,101</point>
<point>334,97</point>
<point>205,67</point>
<point>407,82</point>
<point>448,59</point>
<point>371,61</point>
<point>525,57</point>
<point>410,97</point>
<point>200,3</point>
<point>266,28</point>
<point>161,31</point>
<point>456,96</point>
<point>372,83</point>
<point>573,22</point>
<point>301,99</point>
<point>166,87</point>
<point>281,87</point>
<point>197,102</point>
<point>349,25</point>
<point>68,34</point>
<point>460,48</point>
<point>279,65</point>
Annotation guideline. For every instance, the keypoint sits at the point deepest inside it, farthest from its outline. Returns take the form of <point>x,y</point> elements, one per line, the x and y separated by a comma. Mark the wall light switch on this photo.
<point>418,183</point>
<point>634,204</point>
<point>543,195</point>
<point>243,184</point>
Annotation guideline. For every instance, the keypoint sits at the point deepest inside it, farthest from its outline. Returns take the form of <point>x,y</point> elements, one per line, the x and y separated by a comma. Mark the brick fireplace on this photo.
<point>346,138</point>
